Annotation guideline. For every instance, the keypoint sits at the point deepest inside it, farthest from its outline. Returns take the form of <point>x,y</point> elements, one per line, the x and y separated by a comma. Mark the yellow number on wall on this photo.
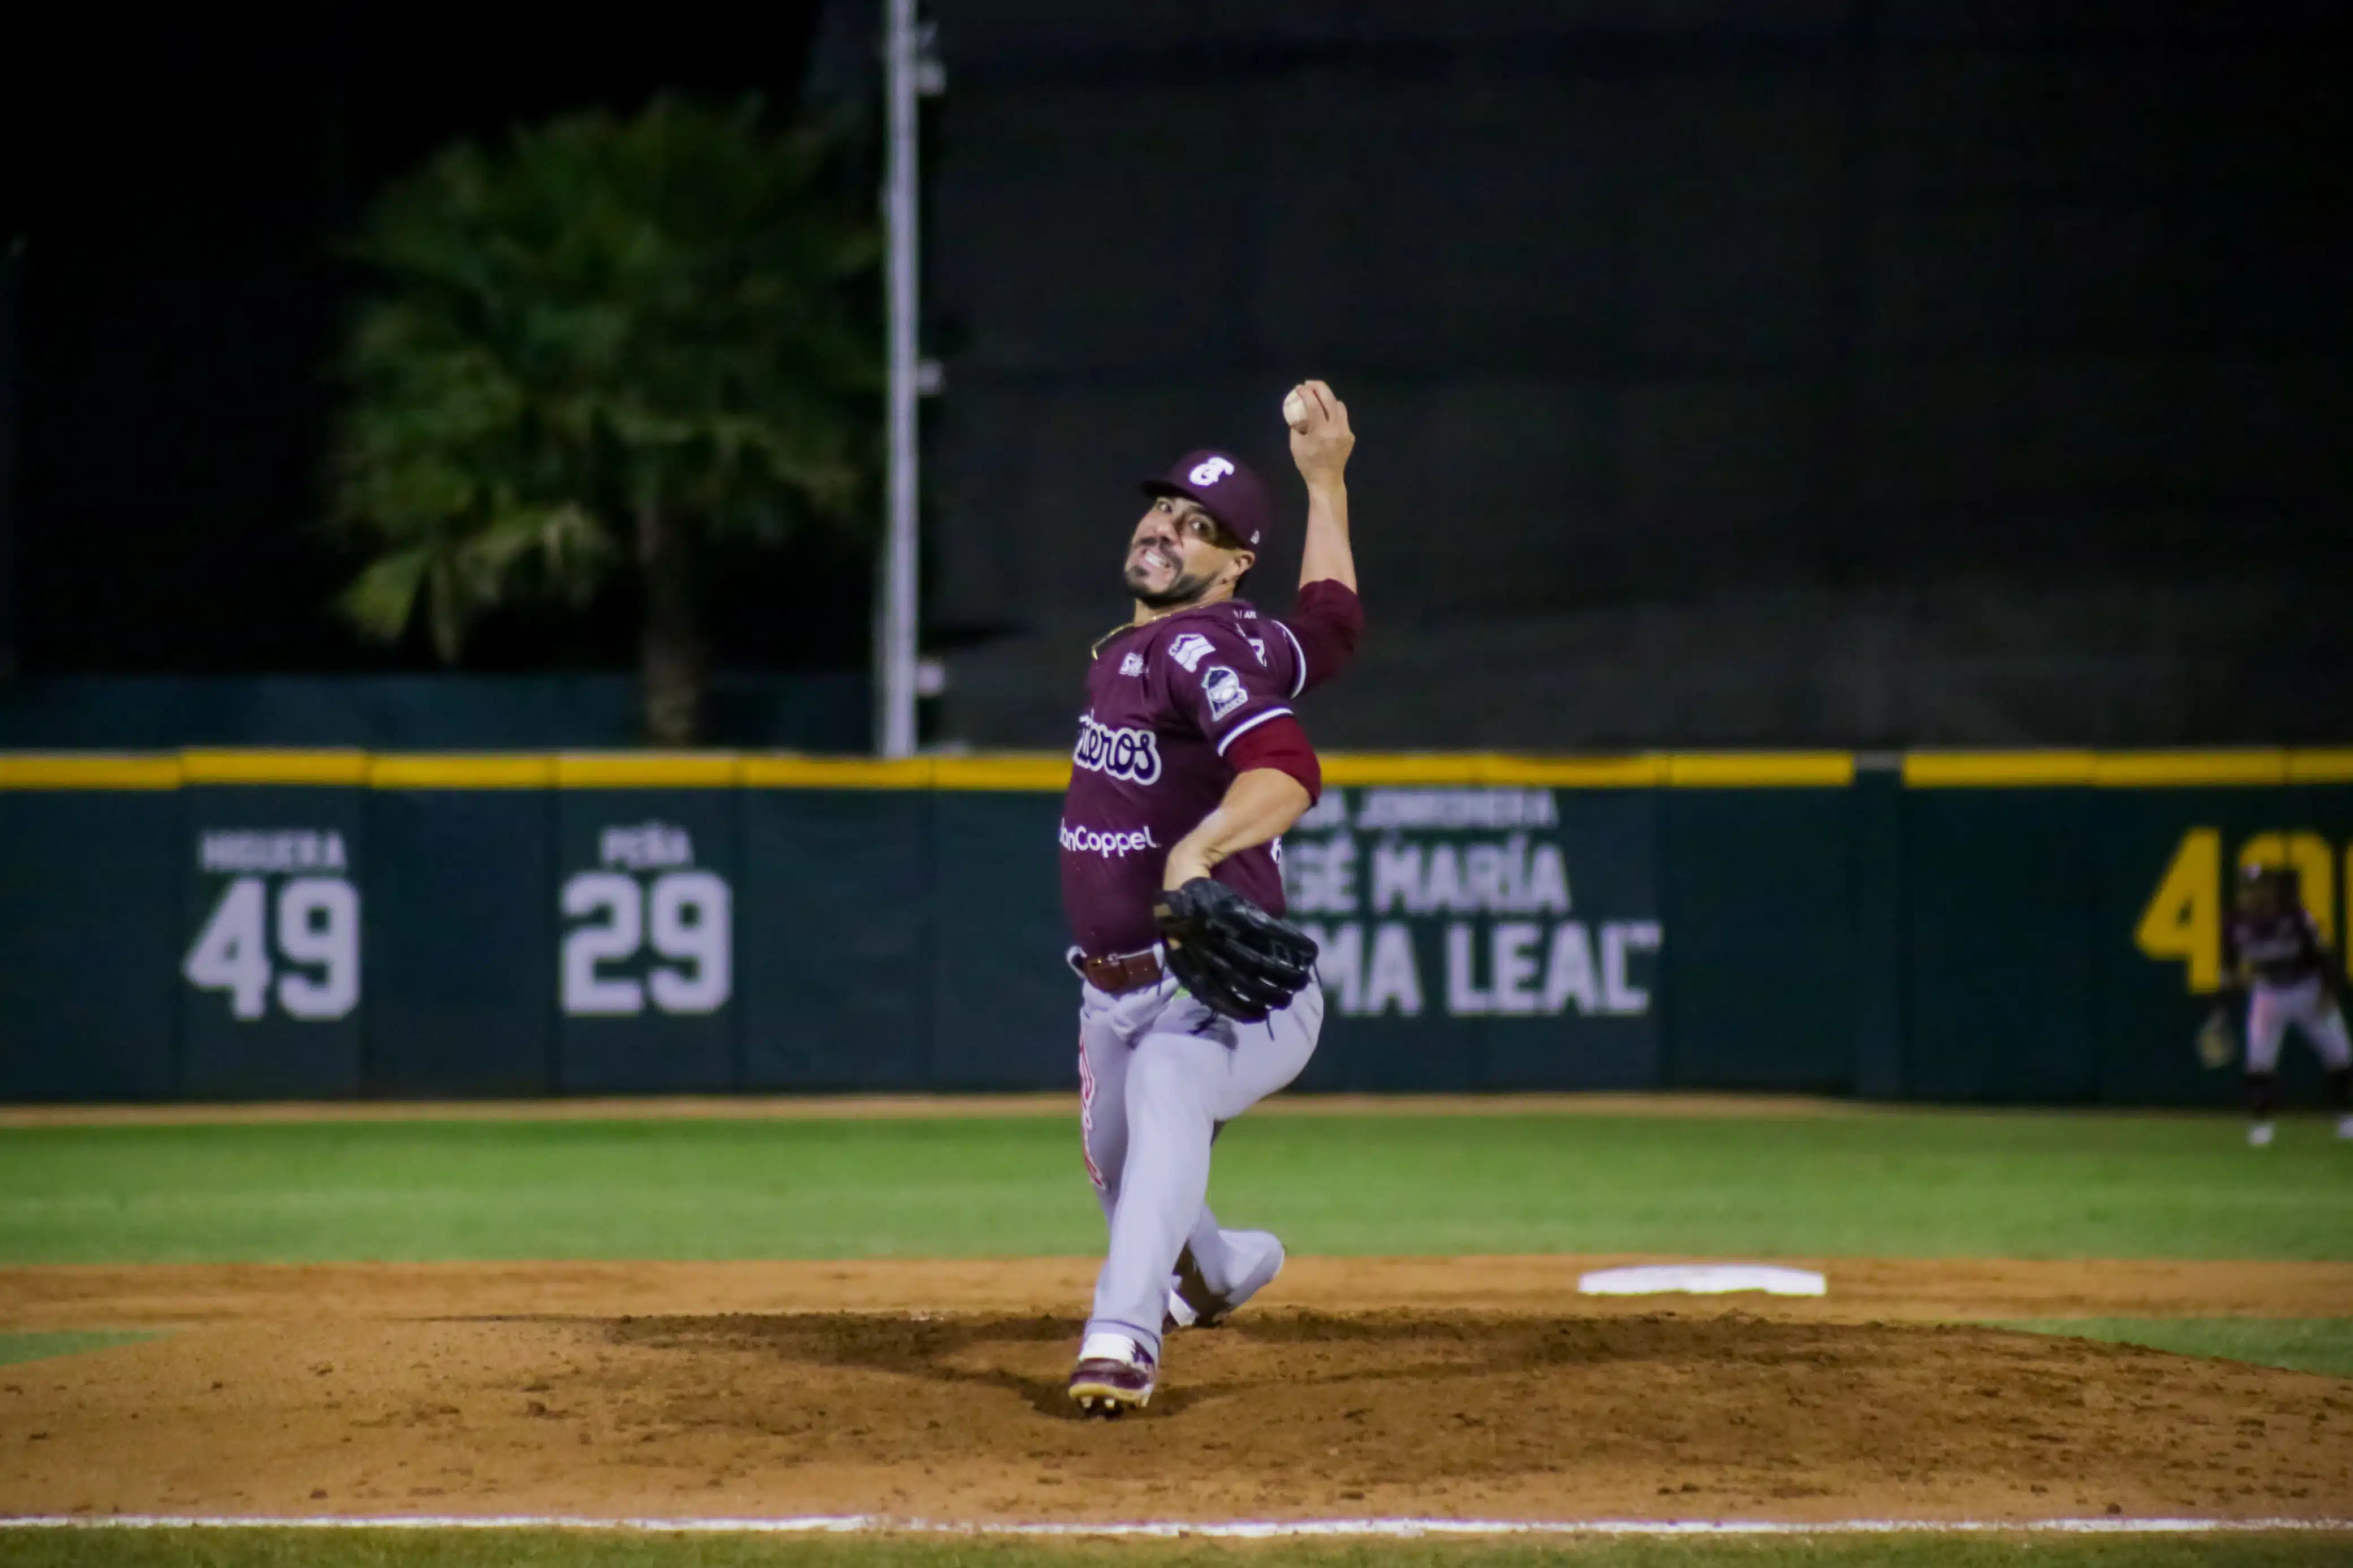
<point>2316,868</point>
<point>2184,917</point>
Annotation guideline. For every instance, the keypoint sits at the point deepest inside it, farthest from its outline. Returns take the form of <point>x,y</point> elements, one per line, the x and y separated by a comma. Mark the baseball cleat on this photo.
<point>1114,1376</point>
<point>2259,1136</point>
<point>2345,1127</point>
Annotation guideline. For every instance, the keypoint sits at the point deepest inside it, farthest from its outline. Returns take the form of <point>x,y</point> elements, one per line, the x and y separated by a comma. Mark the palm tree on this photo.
<point>594,348</point>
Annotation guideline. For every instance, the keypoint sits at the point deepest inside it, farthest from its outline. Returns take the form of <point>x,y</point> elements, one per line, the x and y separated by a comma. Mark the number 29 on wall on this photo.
<point>687,916</point>
<point>2183,918</point>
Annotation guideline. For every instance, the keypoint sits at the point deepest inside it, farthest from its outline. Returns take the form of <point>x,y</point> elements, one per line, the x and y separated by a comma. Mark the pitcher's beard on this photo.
<point>1184,589</point>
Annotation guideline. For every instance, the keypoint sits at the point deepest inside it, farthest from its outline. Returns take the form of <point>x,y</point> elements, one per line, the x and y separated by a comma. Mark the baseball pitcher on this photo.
<point>2272,953</point>
<point>1199,1000</point>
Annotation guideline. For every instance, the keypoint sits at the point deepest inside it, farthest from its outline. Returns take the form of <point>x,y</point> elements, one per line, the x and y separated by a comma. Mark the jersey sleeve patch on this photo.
<point>1224,690</point>
<point>1220,681</point>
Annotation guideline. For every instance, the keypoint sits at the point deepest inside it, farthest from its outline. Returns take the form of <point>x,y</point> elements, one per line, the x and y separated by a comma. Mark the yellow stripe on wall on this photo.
<point>428,769</point>
<point>88,770</point>
<point>785,770</point>
<point>1050,771</point>
<point>1578,773</point>
<point>1005,771</point>
<point>1754,770</point>
<point>1358,769</point>
<point>1040,771</point>
<point>2147,770</point>
<point>274,767</point>
<point>646,770</point>
<point>1403,768</point>
<point>1979,770</point>
<point>2320,767</point>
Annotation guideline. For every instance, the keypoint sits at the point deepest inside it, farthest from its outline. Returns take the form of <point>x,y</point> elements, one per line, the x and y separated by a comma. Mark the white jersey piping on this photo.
<point>1299,684</point>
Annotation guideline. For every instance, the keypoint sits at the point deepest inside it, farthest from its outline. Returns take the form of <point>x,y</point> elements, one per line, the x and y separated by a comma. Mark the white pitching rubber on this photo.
<point>1702,1279</point>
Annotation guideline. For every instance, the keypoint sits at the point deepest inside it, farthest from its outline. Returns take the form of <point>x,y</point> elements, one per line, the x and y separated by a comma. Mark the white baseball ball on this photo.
<point>1295,410</point>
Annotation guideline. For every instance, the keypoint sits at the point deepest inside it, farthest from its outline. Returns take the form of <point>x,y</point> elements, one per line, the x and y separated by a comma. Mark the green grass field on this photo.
<point>1911,1185</point>
<point>1901,1184</point>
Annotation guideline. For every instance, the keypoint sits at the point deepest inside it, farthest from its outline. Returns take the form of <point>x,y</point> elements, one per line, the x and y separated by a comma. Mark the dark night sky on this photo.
<point>178,182</point>
<point>2008,340</point>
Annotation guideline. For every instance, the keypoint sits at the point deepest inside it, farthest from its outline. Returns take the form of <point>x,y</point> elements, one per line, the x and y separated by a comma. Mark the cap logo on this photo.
<point>1209,470</point>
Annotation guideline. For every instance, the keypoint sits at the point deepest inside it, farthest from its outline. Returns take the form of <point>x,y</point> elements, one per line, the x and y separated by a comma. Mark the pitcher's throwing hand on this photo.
<point>1319,437</point>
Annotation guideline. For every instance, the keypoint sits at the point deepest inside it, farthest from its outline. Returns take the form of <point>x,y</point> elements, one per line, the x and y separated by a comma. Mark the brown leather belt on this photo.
<point>1133,973</point>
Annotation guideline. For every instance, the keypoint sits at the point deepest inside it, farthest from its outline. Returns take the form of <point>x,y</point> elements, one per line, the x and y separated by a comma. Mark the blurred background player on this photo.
<point>2274,958</point>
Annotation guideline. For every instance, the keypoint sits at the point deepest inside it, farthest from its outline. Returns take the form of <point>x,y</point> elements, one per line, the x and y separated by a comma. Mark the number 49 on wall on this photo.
<point>2183,918</point>
<point>318,924</point>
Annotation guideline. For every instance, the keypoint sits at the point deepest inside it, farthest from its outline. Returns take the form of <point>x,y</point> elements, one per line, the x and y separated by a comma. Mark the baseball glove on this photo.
<point>1234,958</point>
<point>2218,1042</point>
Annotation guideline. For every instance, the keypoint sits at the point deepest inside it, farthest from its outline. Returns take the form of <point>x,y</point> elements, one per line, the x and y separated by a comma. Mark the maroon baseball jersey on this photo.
<point>2283,949</point>
<point>1164,703</point>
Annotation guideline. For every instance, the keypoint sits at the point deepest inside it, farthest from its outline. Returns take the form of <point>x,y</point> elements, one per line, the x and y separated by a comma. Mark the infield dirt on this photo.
<point>1460,1386</point>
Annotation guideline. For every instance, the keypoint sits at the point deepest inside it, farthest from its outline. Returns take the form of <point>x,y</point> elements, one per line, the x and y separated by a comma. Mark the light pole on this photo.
<point>894,627</point>
<point>912,73</point>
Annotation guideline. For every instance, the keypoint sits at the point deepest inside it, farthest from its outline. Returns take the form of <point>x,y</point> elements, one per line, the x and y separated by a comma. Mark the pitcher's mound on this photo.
<point>1286,1413</point>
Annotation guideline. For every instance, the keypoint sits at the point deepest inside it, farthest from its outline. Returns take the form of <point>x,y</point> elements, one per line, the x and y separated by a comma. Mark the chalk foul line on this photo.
<point>1233,1530</point>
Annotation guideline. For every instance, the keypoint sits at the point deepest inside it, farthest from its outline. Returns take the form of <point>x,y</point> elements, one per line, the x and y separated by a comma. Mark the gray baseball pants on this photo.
<point>1158,1075</point>
<point>2307,1005</point>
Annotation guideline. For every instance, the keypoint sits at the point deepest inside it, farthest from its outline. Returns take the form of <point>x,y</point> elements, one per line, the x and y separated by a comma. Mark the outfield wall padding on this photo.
<point>89,944</point>
<point>455,911</point>
<point>838,984</point>
<point>2039,928</point>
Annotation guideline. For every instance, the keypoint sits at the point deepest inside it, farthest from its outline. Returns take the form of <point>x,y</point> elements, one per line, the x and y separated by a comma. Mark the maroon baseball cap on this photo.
<point>1225,488</point>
